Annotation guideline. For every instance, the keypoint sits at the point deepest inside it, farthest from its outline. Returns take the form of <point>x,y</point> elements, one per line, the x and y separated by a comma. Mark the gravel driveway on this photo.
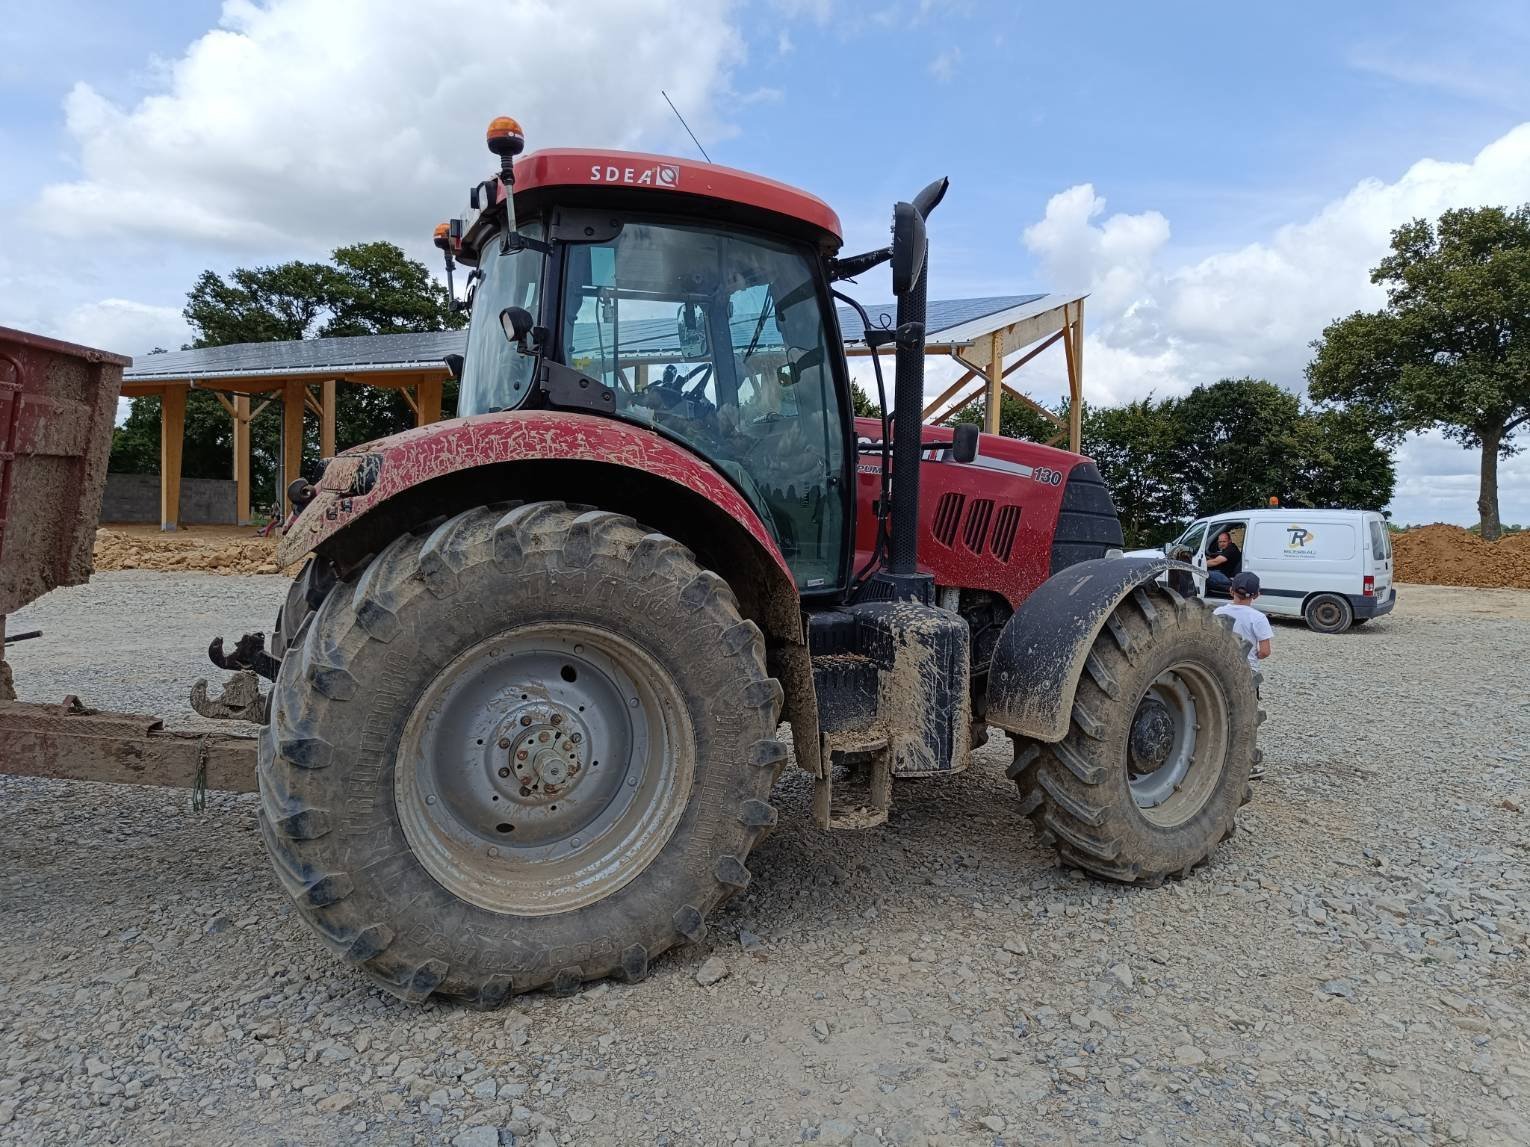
<point>1353,967</point>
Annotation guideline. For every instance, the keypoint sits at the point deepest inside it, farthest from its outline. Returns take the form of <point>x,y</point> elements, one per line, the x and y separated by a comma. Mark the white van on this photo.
<point>1332,568</point>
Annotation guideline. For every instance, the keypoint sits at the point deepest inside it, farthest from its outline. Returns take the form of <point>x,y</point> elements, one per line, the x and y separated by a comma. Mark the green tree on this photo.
<point>862,404</point>
<point>1136,447</point>
<point>1451,349</point>
<point>366,288</point>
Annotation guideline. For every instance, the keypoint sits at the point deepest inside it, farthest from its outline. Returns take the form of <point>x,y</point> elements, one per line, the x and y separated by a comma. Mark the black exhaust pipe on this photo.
<point>910,279</point>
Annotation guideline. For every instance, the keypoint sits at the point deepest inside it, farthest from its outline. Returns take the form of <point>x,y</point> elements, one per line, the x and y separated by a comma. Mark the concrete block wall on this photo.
<point>135,498</point>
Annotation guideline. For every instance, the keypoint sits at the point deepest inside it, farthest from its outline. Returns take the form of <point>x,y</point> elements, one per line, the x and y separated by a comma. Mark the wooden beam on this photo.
<point>327,418</point>
<point>172,437</point>
<point>1015,336</point>
<point>1076,381</point>
<point>995,380</point>
<point>1033,352</point>
<point>428,395</point>
<point>259,410</point>
<point>223,401</point>
<point>949,391</point>
<point>310,402</point>
<point>241,414</point>
<point>1034,405</point>
<point>413,405</point>
<point>292,436</point>
<point>961,403</point>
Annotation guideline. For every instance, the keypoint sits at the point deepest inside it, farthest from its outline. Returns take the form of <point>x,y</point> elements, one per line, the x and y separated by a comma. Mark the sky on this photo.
<point>1219,177</point>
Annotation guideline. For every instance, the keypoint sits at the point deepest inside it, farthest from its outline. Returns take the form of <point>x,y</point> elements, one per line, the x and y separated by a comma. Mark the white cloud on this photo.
<point>124,326</point>
<point>314,122</point>
<point>943,67</point>
<point>1154,325</point>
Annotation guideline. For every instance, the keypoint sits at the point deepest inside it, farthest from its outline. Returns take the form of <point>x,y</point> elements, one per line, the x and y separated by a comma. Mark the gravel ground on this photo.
<point>1354,966</point>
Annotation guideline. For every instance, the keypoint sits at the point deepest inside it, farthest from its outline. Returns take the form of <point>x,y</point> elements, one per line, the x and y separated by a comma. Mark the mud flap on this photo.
<point>1042,649</point>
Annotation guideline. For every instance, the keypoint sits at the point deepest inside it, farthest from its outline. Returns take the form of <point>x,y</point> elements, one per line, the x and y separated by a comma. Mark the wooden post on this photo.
<point>995,382</point>
<point>172,436</point>
<point>242,513</point>
<point>292,436</point>
<point>327,418</point>
<point>1076,383</point>
<point>428,395</point>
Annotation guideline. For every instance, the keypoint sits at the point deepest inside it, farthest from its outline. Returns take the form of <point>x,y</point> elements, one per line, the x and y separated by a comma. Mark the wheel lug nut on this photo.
<point>521,756</point>
<point>575,737</point>
<point>543,737</point>
<point>526,720</point>
<point>557,718</point>
<point>504,742</point>
<point>504,772</point>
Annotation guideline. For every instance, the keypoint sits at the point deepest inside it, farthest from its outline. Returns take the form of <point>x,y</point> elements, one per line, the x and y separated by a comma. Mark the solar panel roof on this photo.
<point>400,352</point>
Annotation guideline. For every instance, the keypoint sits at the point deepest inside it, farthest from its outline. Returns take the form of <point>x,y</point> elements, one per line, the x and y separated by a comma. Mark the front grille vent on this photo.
<point>978,516</point>
<point>948,515</point>
<point>1004,527</point>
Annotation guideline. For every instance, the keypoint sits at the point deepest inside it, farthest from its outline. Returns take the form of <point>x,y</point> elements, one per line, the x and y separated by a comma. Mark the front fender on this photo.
<point>366,477</point>
<point>1042,648</point>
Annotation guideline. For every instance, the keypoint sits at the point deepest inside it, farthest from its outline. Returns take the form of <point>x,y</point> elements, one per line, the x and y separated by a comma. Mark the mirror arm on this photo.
<point>853,265</point>
<point>515,241</point>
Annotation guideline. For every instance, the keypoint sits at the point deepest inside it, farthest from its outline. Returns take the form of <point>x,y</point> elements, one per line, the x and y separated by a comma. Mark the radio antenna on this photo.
<point>685,125</point>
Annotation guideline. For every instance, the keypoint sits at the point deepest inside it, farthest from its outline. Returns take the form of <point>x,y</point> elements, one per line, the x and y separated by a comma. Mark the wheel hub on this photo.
<point>546,758</point>
<point>1152,735</point>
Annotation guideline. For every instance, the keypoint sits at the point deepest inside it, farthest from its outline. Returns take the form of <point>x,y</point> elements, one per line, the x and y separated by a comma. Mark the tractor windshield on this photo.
<point>718,338</point>
<point>495,375</point>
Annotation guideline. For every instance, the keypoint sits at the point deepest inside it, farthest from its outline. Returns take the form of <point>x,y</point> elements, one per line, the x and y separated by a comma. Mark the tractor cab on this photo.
<point>600,286</point>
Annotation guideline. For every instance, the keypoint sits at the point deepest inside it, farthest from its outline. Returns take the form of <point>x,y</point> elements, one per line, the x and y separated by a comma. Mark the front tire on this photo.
<point>533,747</point>
<point>1161,742</point>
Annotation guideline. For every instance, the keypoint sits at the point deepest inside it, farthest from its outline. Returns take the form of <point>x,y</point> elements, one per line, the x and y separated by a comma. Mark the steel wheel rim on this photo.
<point>544,769</point>
<point>1328,614</point>
<point>1174,780</point>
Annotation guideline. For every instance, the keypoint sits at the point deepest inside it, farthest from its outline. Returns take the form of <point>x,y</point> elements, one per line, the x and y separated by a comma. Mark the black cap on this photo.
<point>1246,583</point>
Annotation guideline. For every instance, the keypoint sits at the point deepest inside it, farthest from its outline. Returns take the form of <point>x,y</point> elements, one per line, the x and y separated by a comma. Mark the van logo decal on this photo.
<point>656,175</point>
<point>1299,541</point>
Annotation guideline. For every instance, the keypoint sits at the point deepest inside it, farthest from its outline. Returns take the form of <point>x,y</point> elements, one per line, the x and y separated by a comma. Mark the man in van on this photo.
<point>1250,624</point>
<point>1224,561</point>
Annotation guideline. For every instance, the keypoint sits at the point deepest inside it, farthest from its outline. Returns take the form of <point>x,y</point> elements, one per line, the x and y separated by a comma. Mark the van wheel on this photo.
<point>1328,613</point>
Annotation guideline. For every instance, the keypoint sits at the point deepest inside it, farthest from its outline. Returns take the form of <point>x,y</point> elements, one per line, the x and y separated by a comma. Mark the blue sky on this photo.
<point>1219,176</point>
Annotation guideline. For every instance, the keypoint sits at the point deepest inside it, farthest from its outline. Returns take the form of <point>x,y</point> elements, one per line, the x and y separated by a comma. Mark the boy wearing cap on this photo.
<point>1251,625</point>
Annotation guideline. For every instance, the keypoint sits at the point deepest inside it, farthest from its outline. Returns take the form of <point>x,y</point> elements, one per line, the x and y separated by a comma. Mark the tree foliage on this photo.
<point>1451,349</point>
<point>365,289</point>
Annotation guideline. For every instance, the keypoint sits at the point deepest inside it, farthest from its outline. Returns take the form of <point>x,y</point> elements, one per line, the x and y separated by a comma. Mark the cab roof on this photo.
<point>591,175</point>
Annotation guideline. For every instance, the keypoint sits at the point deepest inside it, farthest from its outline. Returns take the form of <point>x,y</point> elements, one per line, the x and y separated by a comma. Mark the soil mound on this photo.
<point>223,552</point>
<point>1450,555</point>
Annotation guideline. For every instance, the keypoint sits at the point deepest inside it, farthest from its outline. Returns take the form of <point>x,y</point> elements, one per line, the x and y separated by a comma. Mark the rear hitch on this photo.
<point>241,699</point>
<point>248,653</point>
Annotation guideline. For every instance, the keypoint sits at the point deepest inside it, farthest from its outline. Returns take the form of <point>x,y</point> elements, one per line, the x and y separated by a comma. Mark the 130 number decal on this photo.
<point>1047,475</point>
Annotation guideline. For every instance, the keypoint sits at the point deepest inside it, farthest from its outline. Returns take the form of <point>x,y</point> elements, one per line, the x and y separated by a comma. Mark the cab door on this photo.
<point>1379,556</point>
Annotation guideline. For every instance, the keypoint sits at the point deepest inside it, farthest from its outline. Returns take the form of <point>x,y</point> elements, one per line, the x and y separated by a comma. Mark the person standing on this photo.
<point>1223,563</point>
<point>1253,626</point>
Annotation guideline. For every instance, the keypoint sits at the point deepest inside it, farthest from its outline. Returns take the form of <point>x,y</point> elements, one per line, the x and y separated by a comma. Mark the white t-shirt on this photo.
<point>1251,625</point>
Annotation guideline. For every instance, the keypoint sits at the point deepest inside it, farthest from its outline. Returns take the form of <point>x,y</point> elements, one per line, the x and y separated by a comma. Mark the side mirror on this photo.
<point>516,323</point>
<point>454,364</point>
<point>964,442</point>
<point>908,247</point>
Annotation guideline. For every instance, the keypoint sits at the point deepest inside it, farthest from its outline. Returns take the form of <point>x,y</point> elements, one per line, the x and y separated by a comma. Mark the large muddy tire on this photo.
<point>531,747</point>
<point>1156,762</point>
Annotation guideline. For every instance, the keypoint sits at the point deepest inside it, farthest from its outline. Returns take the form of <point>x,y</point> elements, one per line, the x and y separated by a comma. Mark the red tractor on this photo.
<point>528,688</point>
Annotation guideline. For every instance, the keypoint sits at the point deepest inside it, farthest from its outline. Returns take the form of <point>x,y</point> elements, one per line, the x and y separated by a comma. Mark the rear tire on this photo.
<point>375,791</point>
<point>1161,741</point>
<point>1328,613</point>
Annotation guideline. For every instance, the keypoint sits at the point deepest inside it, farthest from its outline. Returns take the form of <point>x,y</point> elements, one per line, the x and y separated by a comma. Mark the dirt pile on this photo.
<point>1449,555</point>
<point>222,552</point>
